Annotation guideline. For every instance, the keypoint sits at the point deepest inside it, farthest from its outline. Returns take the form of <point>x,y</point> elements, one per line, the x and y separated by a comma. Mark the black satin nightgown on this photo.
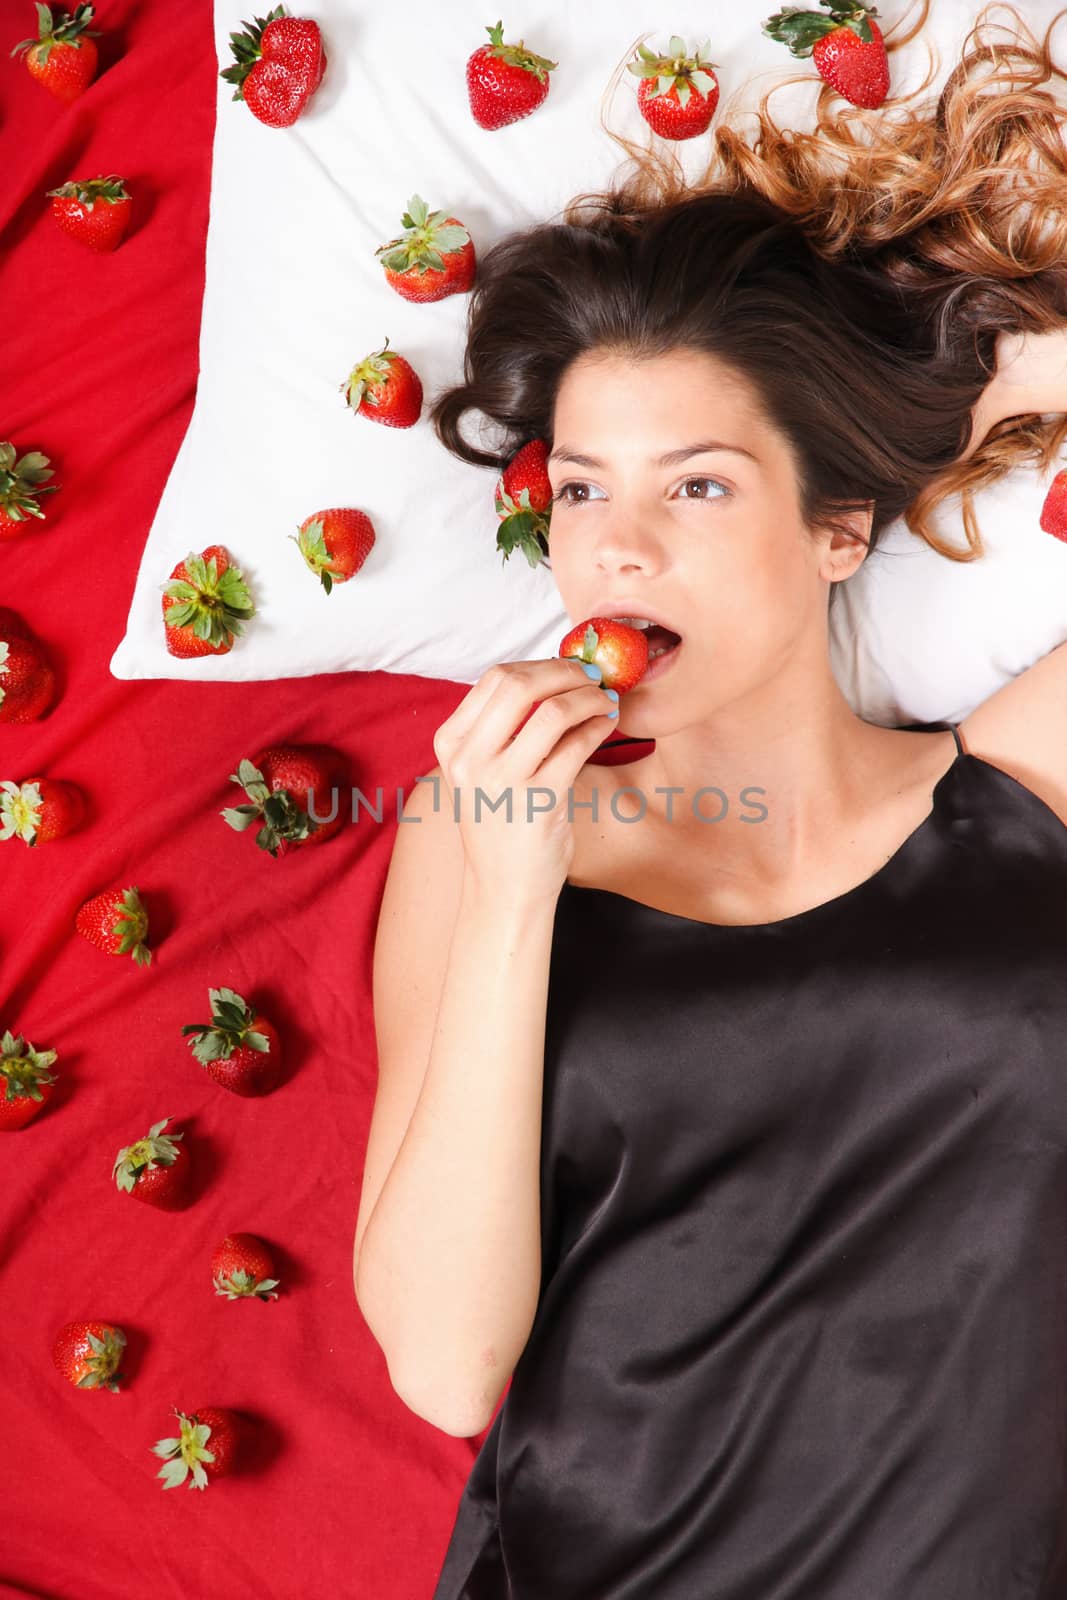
<point>802,1328</point>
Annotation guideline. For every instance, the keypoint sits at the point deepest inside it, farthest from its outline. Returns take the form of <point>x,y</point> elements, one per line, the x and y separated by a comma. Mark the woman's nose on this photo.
<point>627,545</point>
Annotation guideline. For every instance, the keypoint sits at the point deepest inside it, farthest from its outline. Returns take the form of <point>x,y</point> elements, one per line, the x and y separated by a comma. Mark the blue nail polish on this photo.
<point>613,711</point>
<point>613,694</point>
<point>591,670</point>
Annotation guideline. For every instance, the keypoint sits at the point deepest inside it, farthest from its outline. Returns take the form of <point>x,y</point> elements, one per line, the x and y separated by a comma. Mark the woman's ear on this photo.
<point>845,547</point>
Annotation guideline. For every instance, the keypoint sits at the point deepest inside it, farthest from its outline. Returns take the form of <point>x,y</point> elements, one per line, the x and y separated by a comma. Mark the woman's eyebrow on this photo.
<point>671,459</point>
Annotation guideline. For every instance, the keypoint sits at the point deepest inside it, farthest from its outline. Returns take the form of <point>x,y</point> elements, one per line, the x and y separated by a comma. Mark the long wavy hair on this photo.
<point>858,276</point>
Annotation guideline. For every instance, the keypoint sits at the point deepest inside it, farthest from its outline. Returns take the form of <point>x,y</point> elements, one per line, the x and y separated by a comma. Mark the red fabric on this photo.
<point>345,1489</point>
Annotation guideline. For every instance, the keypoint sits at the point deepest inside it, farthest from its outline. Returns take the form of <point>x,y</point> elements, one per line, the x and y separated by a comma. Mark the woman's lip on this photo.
<point>659,665</point>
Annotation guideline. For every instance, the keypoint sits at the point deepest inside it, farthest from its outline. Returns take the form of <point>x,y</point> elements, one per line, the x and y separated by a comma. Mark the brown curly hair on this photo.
<point>859,275</point>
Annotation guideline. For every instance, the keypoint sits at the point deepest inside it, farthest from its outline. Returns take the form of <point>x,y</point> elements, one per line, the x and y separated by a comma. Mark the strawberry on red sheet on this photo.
<point>94,211</point>
<point>206,1446</point>
<point>26,1083</point>
<point>239,1047</point>
<point>22,482</point>
<point>62,58</point>
<point>87,1354</point>
<point>284,784</point>
<point>154,1169</point>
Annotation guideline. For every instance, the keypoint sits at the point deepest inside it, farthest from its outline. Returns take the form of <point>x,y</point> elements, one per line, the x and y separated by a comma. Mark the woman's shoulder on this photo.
<point>1020,729</point>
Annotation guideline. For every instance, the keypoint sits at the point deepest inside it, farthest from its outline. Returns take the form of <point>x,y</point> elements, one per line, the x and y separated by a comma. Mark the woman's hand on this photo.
<point>1030,378</point>
<point>524,725</point>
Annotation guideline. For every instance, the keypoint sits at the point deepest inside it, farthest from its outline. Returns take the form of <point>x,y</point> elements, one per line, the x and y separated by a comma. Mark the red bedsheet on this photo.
<point>344,1490</point>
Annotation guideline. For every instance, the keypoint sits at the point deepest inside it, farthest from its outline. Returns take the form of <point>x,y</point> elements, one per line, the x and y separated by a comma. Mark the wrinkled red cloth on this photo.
<point>344,1490</point>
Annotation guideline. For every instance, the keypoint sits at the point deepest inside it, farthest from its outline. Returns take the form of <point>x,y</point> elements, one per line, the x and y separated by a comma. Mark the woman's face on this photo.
<point>713,543</point>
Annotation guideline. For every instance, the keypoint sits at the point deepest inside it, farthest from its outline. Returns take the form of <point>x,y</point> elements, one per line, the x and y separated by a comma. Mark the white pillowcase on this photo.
<point>917,637</point>
<point>295,297</point>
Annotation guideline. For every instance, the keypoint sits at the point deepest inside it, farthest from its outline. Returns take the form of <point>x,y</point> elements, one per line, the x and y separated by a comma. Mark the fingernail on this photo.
<point>613,711</point>
<point>591,670</point>
<point>613,694</point>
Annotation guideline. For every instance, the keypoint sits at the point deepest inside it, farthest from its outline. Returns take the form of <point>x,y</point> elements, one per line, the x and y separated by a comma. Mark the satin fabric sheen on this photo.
<point>802,1329</point>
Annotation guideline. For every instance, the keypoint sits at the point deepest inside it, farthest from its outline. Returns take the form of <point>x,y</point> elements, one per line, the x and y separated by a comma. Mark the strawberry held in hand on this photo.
<point>39,810</point>
<point>25,1081</point>
<point>239,1048</point>
<point>205,604</point>
<point>524,503</point>
<point>386,388</point>
<point>155,1169</point>
<point>63,57</point>
<point>283,784</point>
<point>335,543</point>
<point>279,63</point>
<point>847,47</point>
<point>432,258</point>
<point>87,1354</point>
<point>20,488</point>
<point>619,651</point>
<point>116,922</point>
<point>27,677</point>
<point>206,1447</point>
<point>505,82</point>
<point>242,1268</point>
<point>95,211</point>
<point>678,92</point>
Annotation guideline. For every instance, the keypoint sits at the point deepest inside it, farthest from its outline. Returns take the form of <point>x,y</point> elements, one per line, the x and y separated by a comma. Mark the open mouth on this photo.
<point>660,639</point>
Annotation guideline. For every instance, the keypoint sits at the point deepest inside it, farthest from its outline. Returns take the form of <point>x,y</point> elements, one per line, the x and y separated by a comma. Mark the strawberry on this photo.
<point>279,63</point>
<point>20,486</point>
<point>239,1047</point>
<point>27,677</point>
<point>678,93</point>
<point>847,47</point>
<point>39,809</point>
<point>63,56</point>
<point>335,543</point>
<point>621,652</point>
<point>283,784</point>
<point>385,388</point>
<point>505,82</point>
<point>205,604</point>
<point>206,1447</point>
<point>432,258</point>
<point>87,1354</point>
<point>24,1079</point>
<point>154,1169</point>
<point>116,921</point>
<point>1054,511</point>
<point>242,1268</point>
<point>95,211</point>
<point>524,503</point>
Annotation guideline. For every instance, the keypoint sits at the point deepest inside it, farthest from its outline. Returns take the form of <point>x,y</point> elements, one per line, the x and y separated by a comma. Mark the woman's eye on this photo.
<point>563,495</point>
<point>564,492</point>
<point>714,481</point>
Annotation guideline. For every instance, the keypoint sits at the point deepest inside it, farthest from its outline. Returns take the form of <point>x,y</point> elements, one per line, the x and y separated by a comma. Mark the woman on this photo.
<point>741,1150</point>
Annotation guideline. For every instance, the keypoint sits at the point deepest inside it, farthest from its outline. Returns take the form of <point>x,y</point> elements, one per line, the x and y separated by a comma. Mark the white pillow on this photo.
<point>917,637</point>
<point>295,297</point>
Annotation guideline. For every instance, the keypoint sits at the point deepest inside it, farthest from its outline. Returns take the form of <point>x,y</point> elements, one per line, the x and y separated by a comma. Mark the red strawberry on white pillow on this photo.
<point>279,62</point>
<point>1054,510</point>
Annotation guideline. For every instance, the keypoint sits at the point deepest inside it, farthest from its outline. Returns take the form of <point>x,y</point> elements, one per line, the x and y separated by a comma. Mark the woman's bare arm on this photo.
<point>448,1254</point>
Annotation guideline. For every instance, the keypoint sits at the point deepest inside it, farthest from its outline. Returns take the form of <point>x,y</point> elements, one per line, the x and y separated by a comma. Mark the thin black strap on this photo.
<point>955,734</point>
